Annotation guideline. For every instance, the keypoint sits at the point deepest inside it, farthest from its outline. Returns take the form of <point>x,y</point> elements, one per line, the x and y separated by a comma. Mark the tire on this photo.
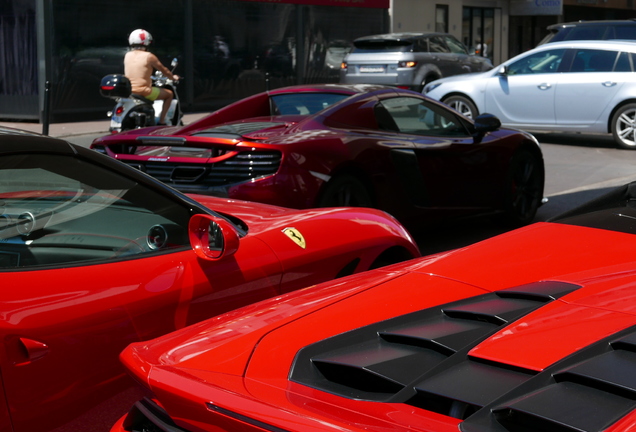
<point>427,80</point>
<point>463,105</point>
<point>523,188</point>
<point>345,191</point>
<point>130,123</point>
<point>624,126</point>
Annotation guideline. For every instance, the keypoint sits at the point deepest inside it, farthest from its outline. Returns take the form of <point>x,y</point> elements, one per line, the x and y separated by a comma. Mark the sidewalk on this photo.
<point>60,130</point>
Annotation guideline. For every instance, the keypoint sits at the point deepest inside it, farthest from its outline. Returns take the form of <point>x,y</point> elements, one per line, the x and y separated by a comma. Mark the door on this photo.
<point>596,75</point>
<point>524,95</point>
<point>92,261</point>
<point>455,174</point>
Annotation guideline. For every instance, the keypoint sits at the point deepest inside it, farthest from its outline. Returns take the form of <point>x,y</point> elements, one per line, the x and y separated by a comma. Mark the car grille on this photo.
<point>240,168</point>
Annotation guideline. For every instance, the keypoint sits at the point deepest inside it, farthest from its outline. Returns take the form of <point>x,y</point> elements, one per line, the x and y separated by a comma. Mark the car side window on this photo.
<point>624,63</point>
<point>437,45</point>
<point>420,45</point>
<point>591,60</point>
<point>547,61</point>
<point>419,117</point>
<point>455,46</point>
<point>60,210</point>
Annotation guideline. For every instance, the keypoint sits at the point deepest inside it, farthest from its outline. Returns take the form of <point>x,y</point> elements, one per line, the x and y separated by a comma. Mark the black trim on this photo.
<point>147,416</point>
<point>587,391</point>
<point>401,359</point>
<point>244,419</point>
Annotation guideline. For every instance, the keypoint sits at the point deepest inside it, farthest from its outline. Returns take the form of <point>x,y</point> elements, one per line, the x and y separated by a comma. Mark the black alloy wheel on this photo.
<point>524,188</point>
<point>345,191</point>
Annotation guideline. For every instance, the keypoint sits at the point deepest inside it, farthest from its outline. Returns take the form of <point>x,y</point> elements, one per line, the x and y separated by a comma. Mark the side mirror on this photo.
<point>212,238</point>
<point>174,63</point>
<point>503,70</point>
<point>486,123</point>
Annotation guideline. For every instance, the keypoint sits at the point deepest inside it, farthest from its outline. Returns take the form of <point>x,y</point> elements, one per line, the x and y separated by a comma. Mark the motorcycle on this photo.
<point>133,111</point>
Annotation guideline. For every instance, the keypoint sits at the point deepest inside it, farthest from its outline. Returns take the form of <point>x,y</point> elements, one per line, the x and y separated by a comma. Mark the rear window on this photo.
<point>380,45</point>
<point>304,103</point>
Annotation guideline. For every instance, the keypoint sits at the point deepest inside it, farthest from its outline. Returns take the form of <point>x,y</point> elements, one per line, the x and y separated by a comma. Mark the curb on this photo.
<point>62,130</point>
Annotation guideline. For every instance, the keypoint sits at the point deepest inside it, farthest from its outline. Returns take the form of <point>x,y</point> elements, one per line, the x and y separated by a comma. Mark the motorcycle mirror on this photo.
<point>174,63</point>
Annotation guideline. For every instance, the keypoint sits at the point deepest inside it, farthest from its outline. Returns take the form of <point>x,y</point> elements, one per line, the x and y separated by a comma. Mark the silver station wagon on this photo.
<point>408,60</point>
<point>572,86</point>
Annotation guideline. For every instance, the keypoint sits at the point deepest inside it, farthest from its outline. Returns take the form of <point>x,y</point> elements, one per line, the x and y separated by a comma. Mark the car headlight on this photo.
<point>432,86</point>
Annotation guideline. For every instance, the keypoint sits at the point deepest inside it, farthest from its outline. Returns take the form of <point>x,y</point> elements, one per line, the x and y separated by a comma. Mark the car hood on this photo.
<point>436,279</point>
<point>534,329</point>
<point>454,337</point>
<point>473,76</point>
<point>467,318</point>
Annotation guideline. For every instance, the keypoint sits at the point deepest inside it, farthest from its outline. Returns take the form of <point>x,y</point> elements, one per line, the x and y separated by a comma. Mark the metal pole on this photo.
<point>47,104</point>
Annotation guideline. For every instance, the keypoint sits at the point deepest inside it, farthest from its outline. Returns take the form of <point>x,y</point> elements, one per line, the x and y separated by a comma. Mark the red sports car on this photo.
<point>533,330</point>
<point>95,255</point>
<point>334,145</point>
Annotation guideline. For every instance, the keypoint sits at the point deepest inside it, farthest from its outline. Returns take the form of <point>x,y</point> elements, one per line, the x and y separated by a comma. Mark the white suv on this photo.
<point>408,60</point>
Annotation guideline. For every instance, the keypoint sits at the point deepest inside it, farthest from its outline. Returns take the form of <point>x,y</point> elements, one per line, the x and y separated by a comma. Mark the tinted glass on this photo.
<point>455,46</point>
<point>58,210</point>
<point>436,44</point>
<point>227,49</point>
<point>381,45</point>
<point>417,117</point>
<point>587,60</point>
<point>624,63</point>
<point>304,103</point>
<point>625,32</point>
<point>541,62</point>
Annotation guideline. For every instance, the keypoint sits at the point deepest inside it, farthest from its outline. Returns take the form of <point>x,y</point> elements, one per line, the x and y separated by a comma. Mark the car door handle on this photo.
<point>609,84</point>
<point>544,86</point>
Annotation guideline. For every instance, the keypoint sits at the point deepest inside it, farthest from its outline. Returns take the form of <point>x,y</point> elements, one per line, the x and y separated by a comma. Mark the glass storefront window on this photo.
<point>478,30</point>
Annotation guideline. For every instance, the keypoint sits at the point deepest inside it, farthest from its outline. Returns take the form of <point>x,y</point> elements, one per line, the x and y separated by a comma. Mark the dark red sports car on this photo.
<point>95,255</point>
<point>333,145</point>
<point>533,330</point>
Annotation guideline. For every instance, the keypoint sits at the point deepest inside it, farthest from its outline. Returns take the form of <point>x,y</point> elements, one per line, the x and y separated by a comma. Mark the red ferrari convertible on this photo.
<point>95,255</point>
<point>346,145</point>
<point>533,330</point>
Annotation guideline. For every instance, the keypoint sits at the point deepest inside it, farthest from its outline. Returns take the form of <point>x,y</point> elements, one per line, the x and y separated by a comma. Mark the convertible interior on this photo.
<point>57,210</point>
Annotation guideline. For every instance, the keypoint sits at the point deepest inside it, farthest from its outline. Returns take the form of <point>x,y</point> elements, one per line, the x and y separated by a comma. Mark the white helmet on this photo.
<point>139,37</point>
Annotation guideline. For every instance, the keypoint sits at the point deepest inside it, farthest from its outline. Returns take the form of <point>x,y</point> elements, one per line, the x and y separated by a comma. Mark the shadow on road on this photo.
<point>460,233</point>
<point>577,140</point>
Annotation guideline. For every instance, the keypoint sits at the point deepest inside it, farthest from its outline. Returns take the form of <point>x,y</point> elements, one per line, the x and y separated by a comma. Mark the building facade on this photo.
<point>226,49</point>
<point>58,50</point>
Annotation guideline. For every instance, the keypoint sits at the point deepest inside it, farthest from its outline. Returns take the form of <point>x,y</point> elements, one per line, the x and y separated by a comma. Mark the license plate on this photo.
<point>372,69</point>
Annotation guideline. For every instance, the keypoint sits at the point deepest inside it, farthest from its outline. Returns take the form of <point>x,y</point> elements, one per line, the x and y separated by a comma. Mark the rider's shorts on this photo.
<point>154,94</point>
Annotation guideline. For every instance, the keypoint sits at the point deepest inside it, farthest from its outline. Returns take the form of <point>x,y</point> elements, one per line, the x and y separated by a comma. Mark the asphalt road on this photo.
<point>578,168</point>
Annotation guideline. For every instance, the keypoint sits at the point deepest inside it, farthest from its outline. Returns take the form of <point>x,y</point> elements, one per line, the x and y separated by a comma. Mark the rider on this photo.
<point>138,67</point>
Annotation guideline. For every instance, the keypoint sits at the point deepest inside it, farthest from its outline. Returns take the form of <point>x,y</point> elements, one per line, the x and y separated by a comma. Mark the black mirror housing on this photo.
<point>486,123</point>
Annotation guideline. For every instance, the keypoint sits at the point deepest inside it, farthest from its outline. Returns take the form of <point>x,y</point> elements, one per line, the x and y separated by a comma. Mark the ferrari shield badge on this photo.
<point>296,236</point>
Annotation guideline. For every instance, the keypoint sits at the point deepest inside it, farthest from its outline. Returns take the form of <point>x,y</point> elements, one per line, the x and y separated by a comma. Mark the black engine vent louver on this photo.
<point>588,391</point>
<point>421,359</point>
<point>405,359</point>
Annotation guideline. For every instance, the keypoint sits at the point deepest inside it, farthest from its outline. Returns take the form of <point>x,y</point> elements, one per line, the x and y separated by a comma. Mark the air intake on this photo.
<point>389,361</point>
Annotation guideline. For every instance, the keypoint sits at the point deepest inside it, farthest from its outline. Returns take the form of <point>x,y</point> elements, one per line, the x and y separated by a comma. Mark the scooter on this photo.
<point>133,111</point>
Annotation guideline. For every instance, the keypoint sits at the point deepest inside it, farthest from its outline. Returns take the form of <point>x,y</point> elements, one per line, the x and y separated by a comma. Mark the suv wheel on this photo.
<point>463,105</point>
<point>428,79</point>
